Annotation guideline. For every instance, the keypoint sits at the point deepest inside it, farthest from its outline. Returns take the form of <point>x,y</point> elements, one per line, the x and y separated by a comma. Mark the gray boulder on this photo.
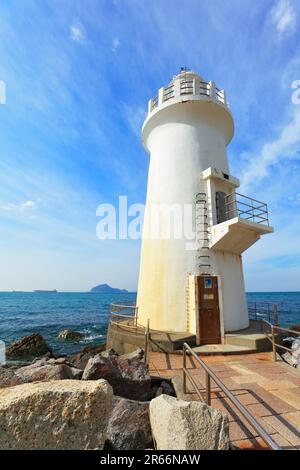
<point>81,358</point>
<point>48,372</point>
<point>129,379</point>
<point>108,353</point>
<point>182,425</point>
<point>28,347</point>
<point>287,357</point>
<point>70,335</point>
<point>68,414</point>
<point>136,355</point>
<point>9,378</point>
<point>129,426</point>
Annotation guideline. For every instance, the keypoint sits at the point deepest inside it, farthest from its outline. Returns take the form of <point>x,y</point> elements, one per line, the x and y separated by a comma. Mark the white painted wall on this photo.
<point>184,139</point>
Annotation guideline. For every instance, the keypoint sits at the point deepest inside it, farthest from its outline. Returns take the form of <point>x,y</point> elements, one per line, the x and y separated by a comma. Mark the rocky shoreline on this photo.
<point>97,399</point>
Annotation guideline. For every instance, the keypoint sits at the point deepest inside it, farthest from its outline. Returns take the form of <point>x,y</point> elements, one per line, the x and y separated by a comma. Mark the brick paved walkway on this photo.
<point>270,391</point>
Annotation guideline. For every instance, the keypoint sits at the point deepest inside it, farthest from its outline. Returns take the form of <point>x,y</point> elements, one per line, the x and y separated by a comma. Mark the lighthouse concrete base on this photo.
<point>123,337</point>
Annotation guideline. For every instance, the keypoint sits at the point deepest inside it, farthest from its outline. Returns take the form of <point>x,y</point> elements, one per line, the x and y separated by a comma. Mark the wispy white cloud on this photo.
<point>77,33</point>
<point>20,207</point>
<point>285,146</point>
<point>115,44</point>
<point>283,17</point>
<point>135,117</point>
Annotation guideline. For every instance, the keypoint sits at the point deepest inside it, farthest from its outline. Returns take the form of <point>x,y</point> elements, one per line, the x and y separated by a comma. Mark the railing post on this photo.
<point>255,315</point>
<point>161,96</point>
<point>212,90</point>
<point>224,97</point>
<point>273,344</point>
<point>147,342</point>
<point>177,88</point>
<point>276,322</point>
<point>196,87</point>
<point>183,370</point>
<point>207,386</point>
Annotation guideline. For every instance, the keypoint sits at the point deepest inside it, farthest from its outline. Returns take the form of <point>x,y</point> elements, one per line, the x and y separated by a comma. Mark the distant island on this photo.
<point>106,289</point>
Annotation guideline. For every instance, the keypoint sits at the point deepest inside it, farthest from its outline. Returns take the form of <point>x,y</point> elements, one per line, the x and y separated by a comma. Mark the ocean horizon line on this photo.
<point>16,291</point>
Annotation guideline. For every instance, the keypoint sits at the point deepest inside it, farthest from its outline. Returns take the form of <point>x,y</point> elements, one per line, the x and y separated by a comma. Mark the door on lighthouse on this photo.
<point>209,312</point>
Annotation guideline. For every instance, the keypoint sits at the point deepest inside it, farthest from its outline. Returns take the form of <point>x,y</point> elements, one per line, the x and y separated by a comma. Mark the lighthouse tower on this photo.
<point>193,282</point>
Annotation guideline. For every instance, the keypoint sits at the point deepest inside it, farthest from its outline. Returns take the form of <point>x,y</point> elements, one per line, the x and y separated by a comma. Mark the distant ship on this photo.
<point>46,291</point>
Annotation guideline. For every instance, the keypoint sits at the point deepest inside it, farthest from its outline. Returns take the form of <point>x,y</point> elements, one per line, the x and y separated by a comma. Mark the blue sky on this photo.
<point>78,76</point>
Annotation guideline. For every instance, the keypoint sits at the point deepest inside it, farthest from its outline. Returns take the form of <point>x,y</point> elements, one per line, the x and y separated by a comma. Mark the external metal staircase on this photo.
<point>202,233</point>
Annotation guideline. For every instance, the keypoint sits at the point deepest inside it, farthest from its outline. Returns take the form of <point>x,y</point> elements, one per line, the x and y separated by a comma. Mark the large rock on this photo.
<point>70,335</point>
<point>28,347</point>
<point>129,426</point>
<point>287,357</point>
<point>8,378</point>
<point>182,425</point>
<point>81,358</point>
<point>48,372</point>
<point>67,414</point>
<point>129,379</point>
<point>136,355</point>
<point>296,352</point>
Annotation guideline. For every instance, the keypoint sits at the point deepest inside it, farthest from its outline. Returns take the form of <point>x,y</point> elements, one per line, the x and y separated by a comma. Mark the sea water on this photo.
<point>23,313</point>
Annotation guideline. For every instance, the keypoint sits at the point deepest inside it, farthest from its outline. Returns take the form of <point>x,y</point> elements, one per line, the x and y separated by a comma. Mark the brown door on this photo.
<point>209,312</point>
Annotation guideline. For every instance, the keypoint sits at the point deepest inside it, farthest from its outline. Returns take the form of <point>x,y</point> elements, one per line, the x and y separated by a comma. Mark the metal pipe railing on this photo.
<point>277,328</point>
<point>116,317</point>
<point>238,205</point>
<point>210,375</point>
<point>147,339</point>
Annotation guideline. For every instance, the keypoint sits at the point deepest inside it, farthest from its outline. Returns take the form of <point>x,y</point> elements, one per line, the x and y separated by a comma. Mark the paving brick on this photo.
<point>260,410</point>
<point>287,397</point>
<point>293,418</point>
<point>237,431</point>
<point>251,444</point>
<point>278,385</point>
<point>284,428</point>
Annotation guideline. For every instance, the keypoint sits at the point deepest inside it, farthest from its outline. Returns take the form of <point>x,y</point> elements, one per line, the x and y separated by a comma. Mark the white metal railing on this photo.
<point>188,86</point>
<point>244,207</point>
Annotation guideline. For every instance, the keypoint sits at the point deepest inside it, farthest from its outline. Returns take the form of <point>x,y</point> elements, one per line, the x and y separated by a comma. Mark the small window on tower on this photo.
<point>221,207</point>
<point>207,283</point>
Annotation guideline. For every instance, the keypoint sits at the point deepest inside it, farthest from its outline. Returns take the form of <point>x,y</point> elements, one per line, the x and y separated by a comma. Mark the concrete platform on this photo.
<point>211,349</point>
<point>124,337</point>
<point>252,337</point>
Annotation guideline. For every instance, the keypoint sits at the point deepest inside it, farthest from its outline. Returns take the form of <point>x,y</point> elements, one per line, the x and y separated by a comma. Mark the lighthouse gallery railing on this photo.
<point>190,86</point>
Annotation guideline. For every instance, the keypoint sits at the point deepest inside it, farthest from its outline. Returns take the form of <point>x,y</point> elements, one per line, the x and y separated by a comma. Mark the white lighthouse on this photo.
<point>185,285</point>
